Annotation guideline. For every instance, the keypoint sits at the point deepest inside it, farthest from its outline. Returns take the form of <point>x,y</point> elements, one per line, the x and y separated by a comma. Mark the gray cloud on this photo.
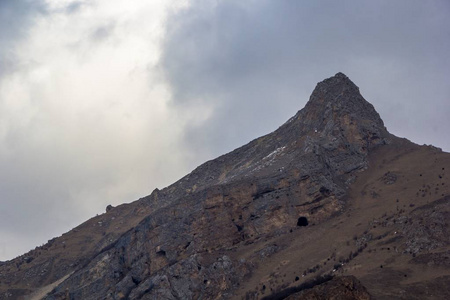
<point>16,17</point>
<point>257,62</point>
<point>103,32</point>
<point>75,6</point>
<point>81,124</point>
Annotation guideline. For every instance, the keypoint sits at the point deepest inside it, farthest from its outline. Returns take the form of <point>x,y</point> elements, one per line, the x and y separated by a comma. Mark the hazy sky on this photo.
<point>101,101</point>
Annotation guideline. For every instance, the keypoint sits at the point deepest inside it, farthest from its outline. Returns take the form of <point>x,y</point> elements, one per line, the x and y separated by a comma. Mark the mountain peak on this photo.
<point>222,230</point>
<point>337,104</point>
<point>339,77</point>
<point>340,74</point>
<point>337,89</point>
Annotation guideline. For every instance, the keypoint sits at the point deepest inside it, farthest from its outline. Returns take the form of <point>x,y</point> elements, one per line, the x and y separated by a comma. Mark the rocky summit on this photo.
<point>328,206</point>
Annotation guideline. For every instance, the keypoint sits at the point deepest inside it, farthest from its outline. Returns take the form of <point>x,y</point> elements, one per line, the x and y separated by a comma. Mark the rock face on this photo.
<point>209,235</point>
<point>341,288</point>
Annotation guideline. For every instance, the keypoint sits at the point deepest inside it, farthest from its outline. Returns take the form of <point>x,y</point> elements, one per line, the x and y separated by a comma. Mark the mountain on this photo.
<point>329,204</point>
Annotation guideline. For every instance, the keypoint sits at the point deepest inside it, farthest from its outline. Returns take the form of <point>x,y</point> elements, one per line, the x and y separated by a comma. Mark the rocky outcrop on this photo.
<point>340,288</point>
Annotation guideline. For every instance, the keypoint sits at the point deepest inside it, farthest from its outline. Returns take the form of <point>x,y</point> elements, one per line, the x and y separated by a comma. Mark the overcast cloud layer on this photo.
<point>103,101</point>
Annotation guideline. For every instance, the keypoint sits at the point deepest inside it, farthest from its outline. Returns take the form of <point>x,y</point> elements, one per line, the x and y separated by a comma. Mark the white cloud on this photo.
<point>85,118</point>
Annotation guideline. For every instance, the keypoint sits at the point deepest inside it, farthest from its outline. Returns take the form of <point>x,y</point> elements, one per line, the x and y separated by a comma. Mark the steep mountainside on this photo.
<point>329,193</point>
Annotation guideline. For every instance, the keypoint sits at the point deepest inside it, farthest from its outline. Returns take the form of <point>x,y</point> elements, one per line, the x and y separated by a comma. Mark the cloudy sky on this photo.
<point>101,101</point>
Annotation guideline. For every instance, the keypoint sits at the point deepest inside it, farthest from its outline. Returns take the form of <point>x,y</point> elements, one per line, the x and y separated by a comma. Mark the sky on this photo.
<point>102,101</point>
